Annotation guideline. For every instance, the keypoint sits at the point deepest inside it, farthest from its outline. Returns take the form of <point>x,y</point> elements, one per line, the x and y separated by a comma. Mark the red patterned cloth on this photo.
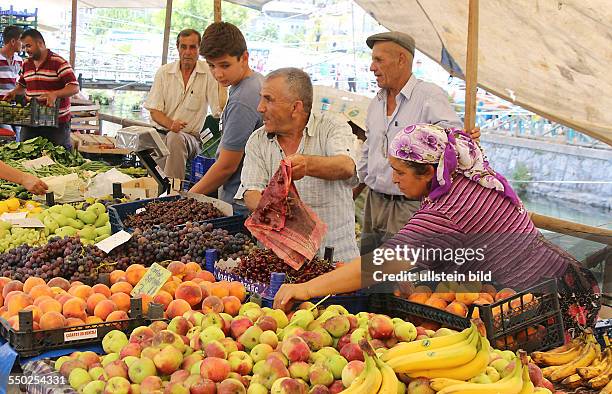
<point>283,223</point>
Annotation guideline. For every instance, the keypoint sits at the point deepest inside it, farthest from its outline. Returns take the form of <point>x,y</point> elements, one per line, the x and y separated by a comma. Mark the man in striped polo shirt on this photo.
<point>10,63</point>
<point>46,77</point>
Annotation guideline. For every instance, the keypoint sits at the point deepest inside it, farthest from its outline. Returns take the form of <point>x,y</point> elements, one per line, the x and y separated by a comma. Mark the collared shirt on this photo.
<point>324,135</point>
<point>189,104</point>
<point>53,74</point>
<point>9,72</point>
<point>417,102</point>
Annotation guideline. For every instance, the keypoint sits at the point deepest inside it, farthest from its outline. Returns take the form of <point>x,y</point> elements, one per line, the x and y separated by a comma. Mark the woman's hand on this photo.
<point>33,184</point>
<point>287,294</point>
<point>475,133</point>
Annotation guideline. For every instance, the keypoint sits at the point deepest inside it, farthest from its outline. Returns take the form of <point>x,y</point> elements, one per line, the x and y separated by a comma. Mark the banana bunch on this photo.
<point>376,377</point>
<point>578,363</point>
<point>517,382</point>
<point>459,356</point>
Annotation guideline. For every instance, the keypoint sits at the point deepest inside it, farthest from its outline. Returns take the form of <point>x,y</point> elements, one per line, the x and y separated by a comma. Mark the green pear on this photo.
<point>76,223</point>
<point>69,211</point>
<point>101,220</point>
<point>60,219</point>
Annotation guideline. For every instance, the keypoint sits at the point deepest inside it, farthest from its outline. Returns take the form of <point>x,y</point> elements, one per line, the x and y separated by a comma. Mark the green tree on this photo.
<point>197,14</point>
<point>105,19</point>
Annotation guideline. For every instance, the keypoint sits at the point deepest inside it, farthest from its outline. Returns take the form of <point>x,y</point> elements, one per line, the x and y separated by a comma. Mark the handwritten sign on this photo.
<point>28,223</point>
<point>152,281</point>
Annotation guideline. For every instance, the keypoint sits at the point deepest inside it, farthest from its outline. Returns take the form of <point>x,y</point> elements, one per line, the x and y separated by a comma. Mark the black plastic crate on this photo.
<point>537,305</point>
<point>28,342</point>
<point>119,212</point>
<point>32,114</point>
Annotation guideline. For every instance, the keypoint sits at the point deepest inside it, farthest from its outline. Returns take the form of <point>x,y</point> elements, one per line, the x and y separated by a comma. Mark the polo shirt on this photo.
<point>53,74</point>
<point>9,72</point>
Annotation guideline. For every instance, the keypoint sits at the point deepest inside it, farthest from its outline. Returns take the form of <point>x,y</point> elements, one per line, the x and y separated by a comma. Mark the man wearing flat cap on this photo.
<point>402,100</point>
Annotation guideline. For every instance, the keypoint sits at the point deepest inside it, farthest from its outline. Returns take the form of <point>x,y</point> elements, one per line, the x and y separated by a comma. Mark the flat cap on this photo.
<point>401,39</point>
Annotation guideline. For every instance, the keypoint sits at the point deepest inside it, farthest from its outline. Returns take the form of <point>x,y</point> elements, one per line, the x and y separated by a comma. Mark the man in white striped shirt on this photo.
<point>10,63</point>
<point>321,150</point>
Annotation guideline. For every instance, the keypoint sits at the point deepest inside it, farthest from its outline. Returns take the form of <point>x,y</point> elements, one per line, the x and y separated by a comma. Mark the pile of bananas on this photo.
<point>376,377</point>
<point>578,363</point>
<point>459,356</point>
<point>517,382</point>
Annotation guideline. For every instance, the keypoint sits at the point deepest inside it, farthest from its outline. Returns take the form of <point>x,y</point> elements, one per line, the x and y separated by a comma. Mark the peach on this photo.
<point>466,297</point>
<point>31,282</point>
<point>487,297</point>
<point>3,280</point>
<point>104,308</point>
<point>41,290</point>
<point>206,275</point>
<point>102,289</point>
<point>190,276</point>
<point>115,276</point>
<point>81,291</point>
<point>457,308</point>
<point>93,320</point>
<point>237,290</point>
<point>121,287</point>
<point>177,308</point>
<point>13,321</point>
<point>73,322</point>
<point>52,320</point>
<point>11,286</point>
<point>526,299</point>
<point>419,298</point>
<point>489,289</point>
<point>171,285</point>
<point>59,282</point>
<point>116,316</point>
<point>18,302</point>
<point>177,268</point>
<point>164,298</point>
<point>215,369</point>
<point>62,298</point>
<point>76,283</point>
<point>436,302</point>
<point>192,266</point>
<point>231,305</point>
<point>430,325</point>
<point>444,292</point>
<point>422,289</point>
<point>36,312</point>
<point>504,293</point>
<point>220,289</point>
<point>190,292</point>
<point>58,290</point>
<point>37,301</point>
<point>206,287</point>
<point>122,300</point>
<point>476,312</point>
<point>212,303</point>
<point>93,300</point>
<point>75,307</point>
<point>134,273</point>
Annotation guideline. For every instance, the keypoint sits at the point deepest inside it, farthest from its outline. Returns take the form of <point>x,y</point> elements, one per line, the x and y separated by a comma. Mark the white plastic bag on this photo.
<point>102,184</point>
<point>65,188</point>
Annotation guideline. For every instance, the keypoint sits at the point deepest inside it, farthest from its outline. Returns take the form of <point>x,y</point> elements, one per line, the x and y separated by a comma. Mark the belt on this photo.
<point>392,197</point>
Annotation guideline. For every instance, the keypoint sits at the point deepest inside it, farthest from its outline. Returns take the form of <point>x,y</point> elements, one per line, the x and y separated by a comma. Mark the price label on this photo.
<point>113,241</point>
<point>152,281</point>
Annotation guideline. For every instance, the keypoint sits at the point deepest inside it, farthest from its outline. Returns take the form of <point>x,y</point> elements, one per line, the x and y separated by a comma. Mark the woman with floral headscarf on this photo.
<point>465,205</point>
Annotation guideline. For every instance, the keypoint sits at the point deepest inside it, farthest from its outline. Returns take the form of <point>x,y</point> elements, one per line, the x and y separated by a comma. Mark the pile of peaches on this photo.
<point>59,303</point>
<point>457,298</point>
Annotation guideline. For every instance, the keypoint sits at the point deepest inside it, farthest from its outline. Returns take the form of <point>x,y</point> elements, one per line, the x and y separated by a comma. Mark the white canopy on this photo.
<point>112,3</point>
<point>548,56</point>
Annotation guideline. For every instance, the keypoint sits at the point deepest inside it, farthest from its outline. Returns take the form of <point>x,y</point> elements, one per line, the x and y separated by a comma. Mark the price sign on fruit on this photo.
<point>152,281</point>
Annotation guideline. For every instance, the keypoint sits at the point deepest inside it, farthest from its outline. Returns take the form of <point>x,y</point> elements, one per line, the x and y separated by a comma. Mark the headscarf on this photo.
<point>454,151</point>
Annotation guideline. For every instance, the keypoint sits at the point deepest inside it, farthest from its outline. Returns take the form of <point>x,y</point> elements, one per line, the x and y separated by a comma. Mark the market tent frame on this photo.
<point>550,57</point>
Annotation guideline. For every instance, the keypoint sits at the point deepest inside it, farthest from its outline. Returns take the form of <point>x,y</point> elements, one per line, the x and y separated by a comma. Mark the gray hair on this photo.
<point>298,84</point>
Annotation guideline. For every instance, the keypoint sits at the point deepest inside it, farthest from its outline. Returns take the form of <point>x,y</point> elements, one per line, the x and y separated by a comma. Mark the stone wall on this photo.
<point>553,162</point>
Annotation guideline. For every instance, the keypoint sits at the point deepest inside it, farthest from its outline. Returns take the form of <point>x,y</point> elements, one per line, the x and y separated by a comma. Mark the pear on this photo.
<point>76,223</point>
<point>88,232</point>
<point>101,220</point>
<point>86,217</point>
<point>68,211</point>
<point>60,219</point>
